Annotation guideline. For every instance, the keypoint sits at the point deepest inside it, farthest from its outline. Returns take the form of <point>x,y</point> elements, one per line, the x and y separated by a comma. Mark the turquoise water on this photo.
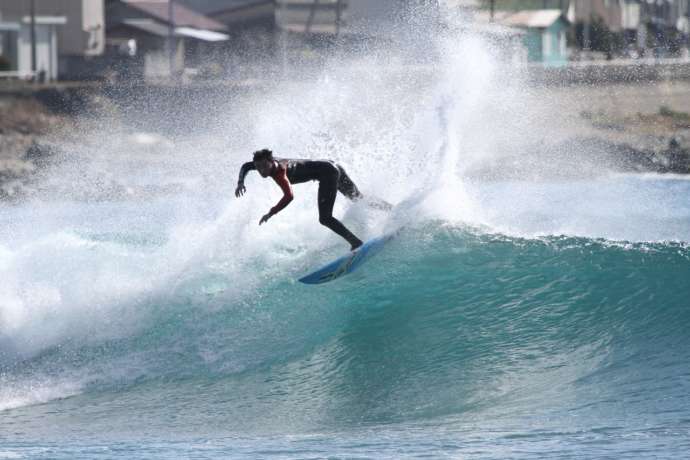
<point>553,322</point>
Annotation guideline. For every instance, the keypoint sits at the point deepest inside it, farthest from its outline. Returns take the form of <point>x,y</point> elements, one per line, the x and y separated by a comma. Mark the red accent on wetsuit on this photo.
<point>280,176</point>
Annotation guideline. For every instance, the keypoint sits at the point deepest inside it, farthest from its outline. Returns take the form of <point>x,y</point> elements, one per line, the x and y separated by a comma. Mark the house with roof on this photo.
<point>261,33</point>
<point>265,28</point>
<point>156,39</point>
<point>269,32</point>
<point>545,34</point>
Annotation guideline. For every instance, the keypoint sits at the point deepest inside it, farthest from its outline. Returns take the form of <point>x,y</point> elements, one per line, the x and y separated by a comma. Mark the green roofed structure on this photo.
<point>545,36</point>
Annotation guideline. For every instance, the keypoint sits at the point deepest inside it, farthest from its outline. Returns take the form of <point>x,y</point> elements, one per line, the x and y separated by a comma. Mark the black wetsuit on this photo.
<point>332,179</point>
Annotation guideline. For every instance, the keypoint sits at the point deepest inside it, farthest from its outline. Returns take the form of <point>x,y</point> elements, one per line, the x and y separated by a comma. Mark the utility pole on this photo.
<point>171,38</point>
<point>337,18</point>
<point>32,13</point>
<point>587,27</point>
<point>312,15</point>
<point>491,10</point>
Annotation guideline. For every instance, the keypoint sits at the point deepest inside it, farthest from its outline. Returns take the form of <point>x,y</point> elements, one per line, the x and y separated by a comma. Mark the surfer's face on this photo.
<point>264,167</point>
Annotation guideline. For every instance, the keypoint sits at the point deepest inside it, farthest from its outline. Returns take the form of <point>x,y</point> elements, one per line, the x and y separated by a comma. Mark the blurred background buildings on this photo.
<point>243,39</point>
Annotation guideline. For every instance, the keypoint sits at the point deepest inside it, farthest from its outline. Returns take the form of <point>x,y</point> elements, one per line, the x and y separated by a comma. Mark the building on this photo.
<point>254,38</point>
<point>156,39</point>
<point>262,35</point>
<point>323,17</point>
<point>632,27</point>
<point>545,37</point>
<point>70,34</point>
<point>265,33</point>
<point>17,55</point>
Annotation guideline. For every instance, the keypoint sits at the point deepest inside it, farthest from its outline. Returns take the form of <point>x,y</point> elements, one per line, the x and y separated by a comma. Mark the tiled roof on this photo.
<point>533,18</point>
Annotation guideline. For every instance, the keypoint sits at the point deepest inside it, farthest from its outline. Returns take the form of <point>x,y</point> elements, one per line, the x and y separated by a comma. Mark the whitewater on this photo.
<point>145,314</point>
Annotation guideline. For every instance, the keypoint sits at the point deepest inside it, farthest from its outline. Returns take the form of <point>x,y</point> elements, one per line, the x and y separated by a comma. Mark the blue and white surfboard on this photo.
<point>347,263</point>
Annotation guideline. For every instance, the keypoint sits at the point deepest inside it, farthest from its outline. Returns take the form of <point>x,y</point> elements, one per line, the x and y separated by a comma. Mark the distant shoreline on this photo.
<point>591,72</point>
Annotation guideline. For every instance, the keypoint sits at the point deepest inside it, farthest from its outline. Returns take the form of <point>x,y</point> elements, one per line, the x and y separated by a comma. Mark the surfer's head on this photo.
<point>263,161</point>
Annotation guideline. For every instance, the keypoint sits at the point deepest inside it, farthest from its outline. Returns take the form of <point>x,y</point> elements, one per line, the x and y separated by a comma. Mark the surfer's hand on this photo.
<point>239,191</point>
<point>265,218</point>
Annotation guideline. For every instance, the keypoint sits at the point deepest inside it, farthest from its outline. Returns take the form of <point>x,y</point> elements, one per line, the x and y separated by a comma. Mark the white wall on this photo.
<point>46,50</point>
<point>84,32</point>
<point>93,23</point>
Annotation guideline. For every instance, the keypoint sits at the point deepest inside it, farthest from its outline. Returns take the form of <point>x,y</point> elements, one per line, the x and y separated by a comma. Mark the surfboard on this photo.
<point>349,262</point>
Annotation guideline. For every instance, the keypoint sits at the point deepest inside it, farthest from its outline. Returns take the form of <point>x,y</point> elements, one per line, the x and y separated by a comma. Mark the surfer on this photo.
<point>332,179</point>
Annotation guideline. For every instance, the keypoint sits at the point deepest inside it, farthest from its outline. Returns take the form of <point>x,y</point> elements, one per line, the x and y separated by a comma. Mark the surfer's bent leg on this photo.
<point>328,189</point>
<point>350,190</point>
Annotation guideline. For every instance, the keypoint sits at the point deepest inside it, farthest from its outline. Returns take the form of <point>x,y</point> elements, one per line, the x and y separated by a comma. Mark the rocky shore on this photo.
<point>640,143</point>
<point>28,130</point>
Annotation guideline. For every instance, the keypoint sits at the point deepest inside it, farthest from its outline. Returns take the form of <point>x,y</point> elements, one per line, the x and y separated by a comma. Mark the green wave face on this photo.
<point>445,322</point>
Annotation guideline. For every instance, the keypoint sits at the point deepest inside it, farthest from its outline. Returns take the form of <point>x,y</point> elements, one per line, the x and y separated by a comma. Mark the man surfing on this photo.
<point>332,179</point>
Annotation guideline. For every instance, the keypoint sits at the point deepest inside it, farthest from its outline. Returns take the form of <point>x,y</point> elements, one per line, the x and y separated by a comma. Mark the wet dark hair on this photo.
<point>263,154</point>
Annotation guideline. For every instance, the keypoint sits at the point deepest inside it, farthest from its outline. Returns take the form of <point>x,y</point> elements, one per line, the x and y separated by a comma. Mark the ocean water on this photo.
<point>124,336</point>
<point>145,314</point>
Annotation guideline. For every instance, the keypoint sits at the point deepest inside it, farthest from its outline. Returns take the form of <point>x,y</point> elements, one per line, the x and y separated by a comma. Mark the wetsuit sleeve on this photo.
<point>282,180</point>
<point>248,166</point>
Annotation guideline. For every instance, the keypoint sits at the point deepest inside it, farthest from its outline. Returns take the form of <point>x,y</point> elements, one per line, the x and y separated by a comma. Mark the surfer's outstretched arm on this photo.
<point>248,166</point>
<point>284,184</point>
